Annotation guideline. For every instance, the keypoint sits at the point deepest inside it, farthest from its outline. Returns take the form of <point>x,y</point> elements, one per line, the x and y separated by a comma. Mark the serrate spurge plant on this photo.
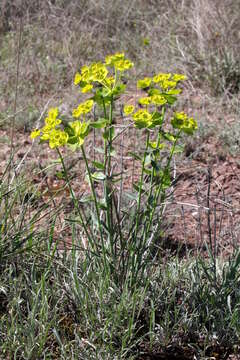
<point>122,239</point>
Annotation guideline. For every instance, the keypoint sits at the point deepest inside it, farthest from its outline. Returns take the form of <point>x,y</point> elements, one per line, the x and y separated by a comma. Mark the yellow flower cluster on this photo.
<point>83,108</point>
<point>57,138</point>
<point>179,77</point>
<point>168,81</point>
<point>96,72</point>
<point>78,131</point>
<point>161,89</point>
<point>128,109</point>
<point>110,60</point>
<point>145,100</point>
<point>144,83</point>
<point>154,99</point>
<point>119,62</point>
<point>165,81</point>
<point>48,132</point>
<point>142,119</point>
<point>161,77</point>
<point>182,122</point>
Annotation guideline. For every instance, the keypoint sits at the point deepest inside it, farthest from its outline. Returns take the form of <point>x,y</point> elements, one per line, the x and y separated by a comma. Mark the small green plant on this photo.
<point>122,239</point>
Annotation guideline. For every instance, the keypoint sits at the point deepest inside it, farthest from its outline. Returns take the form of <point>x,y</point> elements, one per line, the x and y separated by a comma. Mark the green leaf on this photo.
<point>86,199</point>
<point>102,204</point>
<point>157,119</point>
<point>155,166</point>
<point>100,96</point>
<point>135,156</point>
<point>174,92</point>
<point>84,129</point>
<point>136,187</point>
<point>166,179</point>
<point>73,147</point>
<point>170,99</point>
<point>154,91</point>
<point>178,149</point>
<point>116,175</point>
<point>59,175</point>
<point>69,130</point>
<point>147,171</point>
<point>115,181</point>
<point>148,159</point>
<point>119,89</point>
<point>73,140</point>
<point>98,165</point>
<point>98,176</point>
<point>109,132</point>
<point>99,150</point>
<point>168,136</point>
<point>101,123</point>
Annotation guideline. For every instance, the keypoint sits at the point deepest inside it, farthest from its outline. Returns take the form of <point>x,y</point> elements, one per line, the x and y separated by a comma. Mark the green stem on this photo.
<point>106,174</point>
<point>110,136</point>
<point>140,186</point>
<point>109,187</point>
<point>105,140</point>
<point>96,205</point>
<point>155,158</point>
<point>74,198</point>
<point>160,188</point>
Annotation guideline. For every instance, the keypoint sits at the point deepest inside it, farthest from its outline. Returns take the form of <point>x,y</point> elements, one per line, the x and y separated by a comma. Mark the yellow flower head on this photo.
<point>123,65</point>
<point>57,138</point>
<point>190,126</point>
<point>128,109</point>
<point>87,106</point>
<point>85,73</point>
<point>52,122</point>
<point>76,113</point>
<point>111,59</point>
<point>109,81</point>
<point>142,114</point>
<point>161,77</point>
<point>179,77</point>
<point>98,72</point>
<point>168,84</point>
<point>53,113</point>
<point>35,133</point>
<point>144,83</point>
<point>142,119</point>
<point>179,119</point>
<point>145,100</point>
<point>77,78</point>
<point>80,131</point>
<point>45,131</point>
<point>79,128</point>
<point>158,100</point>
<point>182,122</point>
<point>83,108</point>
<point>86,88</point>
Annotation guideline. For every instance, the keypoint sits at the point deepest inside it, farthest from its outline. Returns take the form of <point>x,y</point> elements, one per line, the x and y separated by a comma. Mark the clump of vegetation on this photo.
<point>123,244</point>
